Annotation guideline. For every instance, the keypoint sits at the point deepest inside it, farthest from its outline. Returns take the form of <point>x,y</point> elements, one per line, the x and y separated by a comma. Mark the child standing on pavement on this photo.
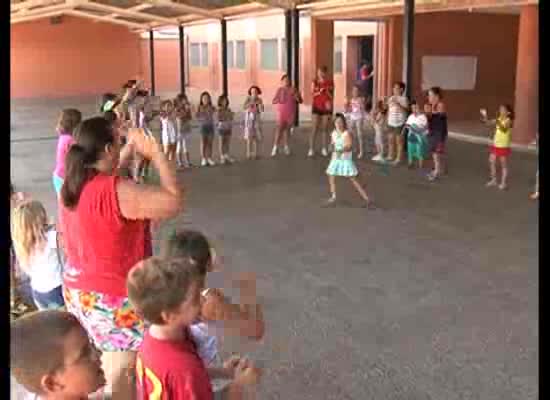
<point>355,108</point>
<point>224,126</point>
<point>417,125</point>
<point>502,142</point>
<point>253,108</point>
<point>379,123</point>
<point>183,119</point>
<point>341,164</point>
<point>168,129</point>
<point>205,116</point>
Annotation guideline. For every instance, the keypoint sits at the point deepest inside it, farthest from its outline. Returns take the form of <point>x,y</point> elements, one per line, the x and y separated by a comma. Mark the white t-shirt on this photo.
<point>418,122</point>
<point>396,115</point>
<point>44,267</point>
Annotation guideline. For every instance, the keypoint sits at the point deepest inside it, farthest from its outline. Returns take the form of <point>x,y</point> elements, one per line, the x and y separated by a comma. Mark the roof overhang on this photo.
<point>145,15</point>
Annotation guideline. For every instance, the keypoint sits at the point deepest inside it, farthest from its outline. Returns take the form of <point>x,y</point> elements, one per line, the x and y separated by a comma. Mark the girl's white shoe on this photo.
<point>210,162</point>
<point>274,151</point>
<point>204,163</point>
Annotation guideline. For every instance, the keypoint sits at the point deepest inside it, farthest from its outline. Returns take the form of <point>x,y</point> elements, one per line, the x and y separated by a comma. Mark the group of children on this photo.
<point>53,358</point>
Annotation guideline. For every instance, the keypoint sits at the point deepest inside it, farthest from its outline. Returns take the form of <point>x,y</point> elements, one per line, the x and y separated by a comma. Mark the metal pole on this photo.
<point>296,56</point>
<point>152,60</point>
<point>224,57</point>
<point>182,60</point>
<point>408,46</point>
<point>288,39</point>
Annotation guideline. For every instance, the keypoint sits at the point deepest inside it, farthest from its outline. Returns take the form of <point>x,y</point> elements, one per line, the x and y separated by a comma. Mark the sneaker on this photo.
<point>359,156</point>
<point>492,182</point>
<point>396,162</point>
<point>330,202</point>
<point>223,160</point>
<point>310,153</point>
<point>286,150</point>
<point>210,162</point>
<point>204,163</point>
<point>502,186</point>
<point>377,157</point>
<point>324,152</point>
<point>229,159</point>
<point>274,151</point>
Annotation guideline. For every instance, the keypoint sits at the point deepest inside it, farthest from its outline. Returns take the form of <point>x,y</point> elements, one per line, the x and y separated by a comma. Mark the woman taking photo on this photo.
<point>322,89</point>
<point>105,223</point>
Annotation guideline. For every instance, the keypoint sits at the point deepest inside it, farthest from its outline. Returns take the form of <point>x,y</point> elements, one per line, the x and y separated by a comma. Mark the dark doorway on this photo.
<point>366,54</point>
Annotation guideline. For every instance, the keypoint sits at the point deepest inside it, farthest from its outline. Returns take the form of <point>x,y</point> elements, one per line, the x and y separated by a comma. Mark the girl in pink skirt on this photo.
<point>287,99</point>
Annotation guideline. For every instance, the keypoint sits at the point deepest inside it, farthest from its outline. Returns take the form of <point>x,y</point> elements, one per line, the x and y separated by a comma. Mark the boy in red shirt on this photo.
<point>167,294</point>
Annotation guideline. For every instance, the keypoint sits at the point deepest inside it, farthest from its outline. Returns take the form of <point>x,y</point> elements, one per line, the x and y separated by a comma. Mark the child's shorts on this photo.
<point>49,300</point>
<point>224,132</point>
<point>500,151</point>
<point>169,138</point>
<point>207,130</point>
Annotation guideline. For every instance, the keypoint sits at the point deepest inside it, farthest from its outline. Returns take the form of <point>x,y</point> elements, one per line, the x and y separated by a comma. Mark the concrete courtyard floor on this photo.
<point>432,296</point>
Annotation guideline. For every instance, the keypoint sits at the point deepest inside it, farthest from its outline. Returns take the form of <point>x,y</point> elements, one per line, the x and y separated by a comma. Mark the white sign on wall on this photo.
<point>449,72</point>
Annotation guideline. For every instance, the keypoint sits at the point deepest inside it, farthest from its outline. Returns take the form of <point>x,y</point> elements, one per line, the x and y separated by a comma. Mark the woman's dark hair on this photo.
<point>381,106</point>
<point>182,96</point>
<point>437,91</point>
<point>254,87</point>
<point>188,244</point>
<point>284,76</point>
<point>341,116</point>
<point>91,136</point>
<point>400,84</point>
<point>323,69</point>
<point>510,110</point>
<point>413,103</point>
<point>69,120</point>
<point>129,84</point>
<point>221,99</point>
<point>209,99</point>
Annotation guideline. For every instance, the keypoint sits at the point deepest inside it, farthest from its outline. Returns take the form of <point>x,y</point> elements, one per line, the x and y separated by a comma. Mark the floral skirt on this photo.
<point>110,321</point>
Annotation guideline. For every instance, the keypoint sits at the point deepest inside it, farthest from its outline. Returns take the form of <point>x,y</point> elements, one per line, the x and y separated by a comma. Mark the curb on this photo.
<point>486,141</point>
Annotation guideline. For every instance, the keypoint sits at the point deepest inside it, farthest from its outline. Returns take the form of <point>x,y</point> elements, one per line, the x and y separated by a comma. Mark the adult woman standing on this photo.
<point>105,223</point>
<point>366,74</point>
<point>322,89</point>
<point>437,138</point>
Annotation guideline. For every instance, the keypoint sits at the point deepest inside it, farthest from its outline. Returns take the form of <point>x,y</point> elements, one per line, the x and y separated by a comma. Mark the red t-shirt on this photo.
<point>101,245</point>
<point>323,101</point>
<point>169,370</point>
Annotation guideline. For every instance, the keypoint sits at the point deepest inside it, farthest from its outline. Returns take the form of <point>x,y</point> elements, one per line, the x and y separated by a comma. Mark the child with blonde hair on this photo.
<point>35,244</point>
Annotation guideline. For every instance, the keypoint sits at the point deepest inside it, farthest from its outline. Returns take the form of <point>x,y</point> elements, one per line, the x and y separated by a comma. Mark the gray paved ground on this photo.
<point>435,296</point>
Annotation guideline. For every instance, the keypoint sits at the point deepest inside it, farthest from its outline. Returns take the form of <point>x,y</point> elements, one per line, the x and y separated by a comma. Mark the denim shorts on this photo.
<point>207,130</point>
<point>49,300</point>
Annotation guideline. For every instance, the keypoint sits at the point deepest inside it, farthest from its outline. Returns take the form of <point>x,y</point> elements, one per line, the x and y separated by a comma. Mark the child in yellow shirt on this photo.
<point>502,142</point>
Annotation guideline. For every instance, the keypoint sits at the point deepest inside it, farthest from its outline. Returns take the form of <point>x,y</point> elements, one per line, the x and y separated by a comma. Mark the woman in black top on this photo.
<point>437,122</point>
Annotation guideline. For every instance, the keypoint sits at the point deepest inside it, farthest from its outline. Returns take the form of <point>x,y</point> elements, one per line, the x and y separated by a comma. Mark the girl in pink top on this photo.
<point>286,99</point>
<point>68,121</point>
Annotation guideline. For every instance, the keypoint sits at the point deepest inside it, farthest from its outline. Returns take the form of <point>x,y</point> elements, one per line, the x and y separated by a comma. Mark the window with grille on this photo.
<point>338,55</point>
<point>269,54</point>
<point>240,55</point>
<point>230,55</point>
<point>195,56</point>
<point>204,54</point>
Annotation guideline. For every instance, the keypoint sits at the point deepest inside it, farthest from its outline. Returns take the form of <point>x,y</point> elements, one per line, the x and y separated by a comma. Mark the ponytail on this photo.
<point>91,136</point>
<point>76,176</point>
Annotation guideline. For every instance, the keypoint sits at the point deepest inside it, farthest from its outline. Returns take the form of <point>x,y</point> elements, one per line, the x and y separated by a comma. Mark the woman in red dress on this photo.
<point>322,89</point>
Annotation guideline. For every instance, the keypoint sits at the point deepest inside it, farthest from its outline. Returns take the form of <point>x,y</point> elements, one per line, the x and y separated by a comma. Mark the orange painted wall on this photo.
<point>76,57</point>
<point>445,34</point>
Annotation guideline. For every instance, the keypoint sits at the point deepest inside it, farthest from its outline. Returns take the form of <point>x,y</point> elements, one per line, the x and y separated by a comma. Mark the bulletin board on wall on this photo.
<point>449,72</point>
